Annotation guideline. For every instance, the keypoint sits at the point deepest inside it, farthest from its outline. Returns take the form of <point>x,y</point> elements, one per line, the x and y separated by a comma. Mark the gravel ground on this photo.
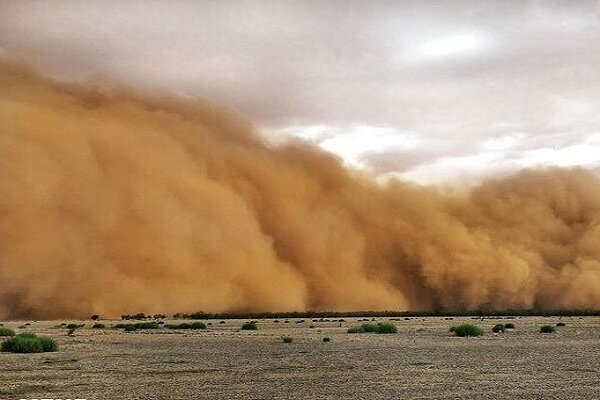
<point>421,361</point>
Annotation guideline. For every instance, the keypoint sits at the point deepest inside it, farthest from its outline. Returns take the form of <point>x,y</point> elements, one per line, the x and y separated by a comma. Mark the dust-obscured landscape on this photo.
<point>315,200</point>
<point>422,360</point>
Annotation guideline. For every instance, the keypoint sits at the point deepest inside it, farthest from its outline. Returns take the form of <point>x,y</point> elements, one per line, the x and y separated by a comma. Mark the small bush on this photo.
<point>327,339</point>
<point>249,326</point>
<point>561,324</point>
<point>547,329</point>
<point>95,317</point>
<point>138,325</point>
<point>287,339</point>
<point>466,330</point>
<point>369,328</point>
<point>98,326</point>
<point>20,344</point>
<point>185,325</point>
<point>509,326</point>
<point>28,343</point>
<point>146,325</point>
<point>6,332</point>
<point>48,344</point>
<point>28,335</point>
<point>197,325</point>
<point>374,328</point>
<point>498,328</point>
<point>74,326</point>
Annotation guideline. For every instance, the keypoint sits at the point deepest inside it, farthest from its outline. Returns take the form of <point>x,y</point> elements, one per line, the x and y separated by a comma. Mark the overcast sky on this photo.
<point>437,92</point>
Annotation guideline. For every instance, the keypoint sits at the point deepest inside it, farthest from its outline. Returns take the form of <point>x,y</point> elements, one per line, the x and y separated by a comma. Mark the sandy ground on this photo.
<point>421,361</point>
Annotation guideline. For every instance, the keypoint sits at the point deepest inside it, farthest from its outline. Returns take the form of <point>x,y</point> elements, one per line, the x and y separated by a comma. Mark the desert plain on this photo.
<point>422,361</point>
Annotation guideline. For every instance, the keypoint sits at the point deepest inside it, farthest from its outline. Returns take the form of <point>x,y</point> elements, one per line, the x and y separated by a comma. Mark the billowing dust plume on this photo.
<point>112,202</point>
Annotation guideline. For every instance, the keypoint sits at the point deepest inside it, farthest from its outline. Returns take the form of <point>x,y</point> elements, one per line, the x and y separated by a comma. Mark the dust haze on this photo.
<point>113,202</point>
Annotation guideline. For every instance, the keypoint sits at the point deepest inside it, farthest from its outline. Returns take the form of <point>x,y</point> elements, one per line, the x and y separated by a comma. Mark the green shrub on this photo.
<point>287,339</point>
<point>509,326</point>
<point>20,344</point>
<point>369,328</point>
<point>384,327</point>
<point>48,344</point>
<point>466,330</point>
<point>547,329</point>
<point>374,328</point>
<point>98,326</point>
<point>249,326</point>
<point>6,332</point>
<point>561,324</point>
<point>498,328</point>
<point>136,326</point>
<point>197,325</point>
<point>28,335</point>
<point>28,343</point>
<point>183,325</point>
<point>146,325</point>
<point>327,339</point>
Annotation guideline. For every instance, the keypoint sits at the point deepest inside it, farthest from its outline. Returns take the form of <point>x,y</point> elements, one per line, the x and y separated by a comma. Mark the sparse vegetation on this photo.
<point>74,326</point>
<point>466,330</point>
<point>146,325</point>
<point>28,343</point>
<point>71,332</point>
<point>327,339</point>
<point>475,314</point>
<point>185,325</point>
<point>498,328</point>
<point>138,325</point>
<point>138,316</point>
<point>287,339</point>
<point>250,326</point>
<point>95,317</point>
<point>547,329</point>
<point>98,326</point>
<point>561,324</point>
<point>6,332</point>
<point>381,327</point>
<point>510,325</point>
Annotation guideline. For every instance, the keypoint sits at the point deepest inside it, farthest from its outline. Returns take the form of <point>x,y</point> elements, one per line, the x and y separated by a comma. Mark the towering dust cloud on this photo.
<point>110,203</point>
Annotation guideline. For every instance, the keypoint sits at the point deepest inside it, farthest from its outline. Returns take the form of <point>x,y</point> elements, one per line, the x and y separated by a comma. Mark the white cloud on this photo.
<point>452,45</point>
